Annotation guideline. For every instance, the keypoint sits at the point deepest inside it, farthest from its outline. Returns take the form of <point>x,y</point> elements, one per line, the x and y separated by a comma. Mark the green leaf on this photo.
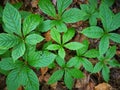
<point>93,53</point>
<point>106,13</point>
<point>61,52</point>
<point>93,32</point>
<point>68,35</point>
<point>93,3</point>
<point>73,15</point>
<point>57,75</point>
<point>22,76</point>
<point>53,47</point>
<point>7,64</point>
<point>93,20</point>
<point>2,51</point>
<point>16,78</point>
<point>87,65</point>
<point>72,62</point>
<point>32,57</point>
<point>7,41</point>
<point>46,25</point>
<point>40,59</point>
<point>32,80</point>
<point>109,3</point>
<point>61,27</point>
<point>60,61</point>
<point>115,22</point>
<point>115,37</point>
<point>62,5</point>
<point>68,80</point>
<point>55,35</point>
<point>104,44</point>
<point>25,14</point>
<point>74,45</point>
<point>105,73</point>
<point>47,7</point>
<point>30,23</point>
<point>76,73</point>
<point>97,67</point>
<point>114,63</point>
<point>111,52</point>
<point>12,19</point>
<point>84,49</point>
<point>18,51</point>
<point>33,39</point>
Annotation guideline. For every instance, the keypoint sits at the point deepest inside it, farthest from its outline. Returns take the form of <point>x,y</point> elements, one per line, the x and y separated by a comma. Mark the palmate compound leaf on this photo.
<point>62,5</point>
<point>47,7</point>
<point>93,32</point>
<point>57,75</point>
<point>18,50</point>
<point>30,23</point>
<point>22,76</point>
<point>33,39</point>
<point>12,19</point>
<point>7,41</point>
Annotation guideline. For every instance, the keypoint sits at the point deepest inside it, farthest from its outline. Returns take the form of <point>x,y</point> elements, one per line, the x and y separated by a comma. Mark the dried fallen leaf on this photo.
<point>44,70</point>
<point>47,36</point>
<point>103,86</point>
<point>34,3</point>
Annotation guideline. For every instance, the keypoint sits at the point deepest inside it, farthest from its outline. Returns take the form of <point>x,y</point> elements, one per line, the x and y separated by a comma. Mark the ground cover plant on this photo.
<point>25,50</point>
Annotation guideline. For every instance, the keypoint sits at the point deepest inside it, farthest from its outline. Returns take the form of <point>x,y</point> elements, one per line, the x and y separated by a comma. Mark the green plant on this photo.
<point>61,43</point>
<point>15,37</point>
<point>91,10</point>
<point>81,58</point>
<point>61,17</point>
<point>69,73</point>
<point>20,72</point>
<point>104,63</point>
<point>21,44</point>
<point>110,24</point>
